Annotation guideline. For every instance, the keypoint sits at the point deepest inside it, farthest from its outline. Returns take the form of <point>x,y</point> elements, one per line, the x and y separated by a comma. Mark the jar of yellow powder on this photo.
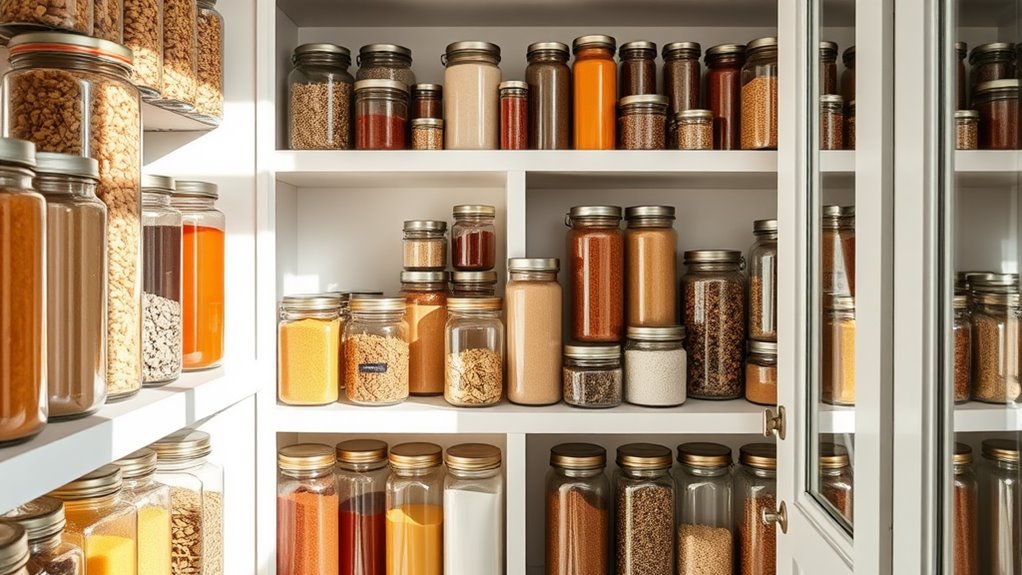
<point>43,521</point>
<point>308,348</point>
<point>101,522</point>
<point>838,350</point>
<point>152,500</point>
<point>415,510</point>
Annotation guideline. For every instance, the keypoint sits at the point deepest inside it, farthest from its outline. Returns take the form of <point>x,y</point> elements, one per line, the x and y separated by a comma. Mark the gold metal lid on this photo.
<point>759,455</point>
<point>833,456</point>
<point>963,454</point>
<point>473,304</point>
<point>1001,450</point>
<point>764,227</point>
<point>475,210</point>
<point>761,43</point>
<point>361,451</point>
<point>578,456</point>
<point>702,454</point>
<point>138,464</point>
<point>378,304</point>
<point>725,50</point>
<point>311,302</point>
<point>14,550</point>
<point>306,457</point>
<point>41,518</point>
<point>644,456</point>
<point>182,445</point>
<point>416,455</point>
<point>472,457</point>
<point>98,483</point>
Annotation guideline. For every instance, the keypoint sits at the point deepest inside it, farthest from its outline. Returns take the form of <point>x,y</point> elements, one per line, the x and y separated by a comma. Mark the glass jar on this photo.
<point>385,62</point>
<point>376,351</point>
<point>344,316</point>
<point>835,278</point>
<point>705,524</point>
<point>308,344</point>
<point>425,296</point>
<point>161,282</point>
<point>965,517</point>
<point>991,283</point>
<point>838,351</point>
<point>682,74</point>
<point>101,522</point>
<point>108,20</point>
<point>362,472</point>
<point>415,510</point>
<point>650,256</point>
<point>43,521</point>
<point>209,99</point>
<point>638,68</point>
<point>533,313</point>
<point>966,130</point>
<point>594,77</point>
<point>320,92</point>
<point>474,238</point>
<point>549,80</point>
<point>828,68</point>
<point>724,93</point>
<point>427,134</point>
<point>1000,518</point>
<point>643,122</point>
<point>76,232</point>
<point>514,115</point>
<point>203,233</point>
<point>991,62</point>
<point>473,284</point>
<point>655,366</point>
<point>963,348</point>
<point>471,79</point>
<point>848,76</point>
<point>997,104</point>
<point>592,375</point>
<point>846,233</point>
<point>961,92</point>
<point>180,53</point>
<point>14,551</point>
<point>763,281</point>
<point>425,245</point>
<point>693,129</point>
<point>644,510</point>
<point>596,251</point>
<point>381,115</point>
<point>759,96</point>
<point>473,510</point>
<point>832,122</point>
<point>850,126</point>
<point>836,479</point>
<point>143,35</point>
<point>152,503</point>
<point>995,347</point>
<point>427,102</point>
<point>756,489</point>
<point>23,385</point>
<point>715,319</point>
<point>196,499</point>
<point>474,369</point>
<point>761,373</point>
<point>307,510</point>
<point>577,510</point>
<point>24,16</point>
<point>86,75</point>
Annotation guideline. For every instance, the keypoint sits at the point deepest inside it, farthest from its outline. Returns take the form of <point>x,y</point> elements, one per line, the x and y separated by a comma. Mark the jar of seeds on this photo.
<point>592,375</point>
<point>694,129</point>
<point>832,122</point>
<point>473,284</point>
<point>963,348</point>
<point>577,510</point>
<point>474,368</point>
<point>966,130</point>
<point>655,366</point>
<point>320,98</point>
<point>638,68</point>
<point>427,134</point>
<point>642,124</point>
<point>714,292</point>
<point>644,510</point>
<point>705,525</point>
<point>385,62</point>
<point>995,347</point>
<point>759,96</point>
<point>161,282</point>
<point>756,493</point>
<point>425,245</point>
<point>965,545</point>
<point>376,351</point>
<point>682,75</point>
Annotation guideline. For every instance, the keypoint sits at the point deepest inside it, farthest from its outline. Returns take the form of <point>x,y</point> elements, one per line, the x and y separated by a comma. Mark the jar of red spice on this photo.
<point>997,104</point>
<point>596,252</point>
<point>427,101</point>
<point>514,119</point>
<point>965,547</point>
<point>836,478</point>
<point>474,238</point>
<point>307,520</point>
<point>361,490</point>
<point>723,93</point>
<point>381,115</point>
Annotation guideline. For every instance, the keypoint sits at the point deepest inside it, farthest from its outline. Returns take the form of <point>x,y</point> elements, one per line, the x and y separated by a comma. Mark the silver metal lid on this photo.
<point>384,48</point>
<point>18,152</point>
<point>322,48</point>
<point>644,100</point>
<point>990,49</point>
<point>764,226</point>
<point>592,351</point>
<point>842,303</point>
<point>137,464</point>
<point>357,293</point>
<point>513,85</point>
<point>486,277</point>
<point>725,49</point>
<point>828,50</point>
<point>658,333</point>
<point>41,518</point>
<point>182,445</point>
<point>424,277</point>
<point>533,265</point>
<point>378,304</point>
<point>160,184</point>
<point>997,298</point>
<point>473,47</point>
<point>643,45</point>
<point>97,483</point>
<point>418,89</point>
<point>961,48</point>
<point>847,212</point>
<point>14,551</point>
<point>692,49</point>
<point>50,163</point>
<point>196,189</point>
<point>831,99</point>
<point>831,211</point>
<point>427,123</point>
<point>763,347</point>
<point>966,115</point>
<point>960,301</point>
<point>311,302</point>
<point>547,47</point>
<point>761,43</point>
<point>993,282</point>
<point>636,212</point>
<point>64,43</point>
<point>425,225</point>
<point>694,114</point>
<point>577,212</point>
<point>381,84</point>
<point>713,256</point>
<point>996,86</point>
<point>475,210</point>
<point>594,41</point>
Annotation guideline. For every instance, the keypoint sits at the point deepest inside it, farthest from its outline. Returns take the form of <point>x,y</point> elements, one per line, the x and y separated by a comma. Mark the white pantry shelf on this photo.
<point>987,417</point>
<point>159,119</point>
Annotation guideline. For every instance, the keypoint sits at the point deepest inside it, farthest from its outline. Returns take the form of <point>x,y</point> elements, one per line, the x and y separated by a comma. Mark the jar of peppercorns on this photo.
<point>714,296</point>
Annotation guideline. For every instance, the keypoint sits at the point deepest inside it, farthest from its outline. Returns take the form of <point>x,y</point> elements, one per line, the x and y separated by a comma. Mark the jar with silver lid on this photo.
<point>594,77</point>
<point>759,95</point>
<point>656,366</point>
<point>761,373</point>
<point>714,296</point>
<point>474,238</point>
<point>549,80</point>
<point>642,122</point>
<point>425,245</point>
<point>14,552</point>
<point>832,122</point>
<point>986,282</point>
<point>381,115</point>
<point>473,284</point>
<point>308,344</point>
<point>471,80</point>
<point>693,129</point>
<point>966,130</point>
<point>651,244</point>
<point>990,62</point>
<point>592,375</point>
<point>320,96</point>
<point>474,368</point>
<point>427,134</point>
<point>514,115</point>
<point>682,76</point>
<point>533,314</point>
<point>43,521</point>
<point>997,102</point>
<point>376,351</point>
<point>638,68</point>
<point>425,294</point>
<point>427,102</point>
<point>385,62</point>
<point>161,282</point>
<point>828,68</point>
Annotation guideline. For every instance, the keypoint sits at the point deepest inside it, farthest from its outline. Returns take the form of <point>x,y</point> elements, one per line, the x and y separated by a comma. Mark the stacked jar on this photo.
<point>549,80</point>
<point>426,117</point>
<point>714,296</point>
<point>209,98</point>
<point>989,63</point>
<point>693,129</point>
<point>533,315</point>
<point>376,351</point>
<point>756,490</point>
<point>644,495</point>
<point>592,375</point>
<point>474,238</point>
<point>682,75</point>
<point>308,346</point>
<point>474,351</point>
<point>361,489</point>
<point>577,510</point>
<point>997,102</point>
<point>642,122</point>
<point>836,277</point>
<point>596,250</point>
<point>152,503</point>
<point>836,478</point>
<point>381,115</point>
<point>471,80</point>
<point>320,92</point>
<point>425,294</point>
<point>473,284</point>
<point>44,522</point>
<point>638,68</point>
<point>965,517</point>
<point>161,282</point>
<point>705,526</point>
<point>655,366</point>
<point>307,504</point>
<point>415,509</point>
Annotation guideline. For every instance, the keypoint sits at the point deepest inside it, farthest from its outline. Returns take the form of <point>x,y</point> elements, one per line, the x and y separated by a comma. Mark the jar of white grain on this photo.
<point>655,366</point>
<point>471,79</point>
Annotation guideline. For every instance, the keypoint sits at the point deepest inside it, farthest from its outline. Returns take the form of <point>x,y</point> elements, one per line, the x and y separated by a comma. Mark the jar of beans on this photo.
<point>756,494</point>
<point>763,281</point>
<point>999,492</point>
<point>644,500</point>
<point>308,344</point>
<point>471,80</point>
<point>838,351</point>
<point>655,366</point>
<point>306,481</point>
<point>514,119</point>
<point>832,122</point>
<point>376,350</point>
<point>577,510</point>
<point>592,375</point>
<point>474,238</point>
<point>428,102</point>
<point>549,79</point>
<point>836,478</point>
<point>705,534</point>
<point>759,96</point>
<point>161,282</point>
<point>961,92</point>
<point>381,115</point>
<point>990,62</point>
<point>848,76</point>
<point>693,130</point>
<point>425,295</point>
<point>651,259</point>
<point>474,368</point>
<point>596,251</point>
<point>761,373</point>
<point>425,245</point>
<point>714,295</point>
<point>828,68</point>
<point>724,93</point>
<point>320,98</point>
<point>997,104</point>
<point>473,284</point>
<point>966,130</point>
<point>385,62</point>
<point>427,134</point>
<point>995,347</point>
<point>642,124</point>
<point>638,68</point>
<point>965,545</point>
<point>963,347</point>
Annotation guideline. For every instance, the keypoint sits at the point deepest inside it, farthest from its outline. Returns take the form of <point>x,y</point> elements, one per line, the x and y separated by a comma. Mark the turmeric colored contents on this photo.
<point>595,76</point>
<point>839,361</point>
<point>307,533</point>
<point>154,541</point>
<point>415,540</point>
<point>109,555</point>
<point>308,361</point>
<point>203,296</point>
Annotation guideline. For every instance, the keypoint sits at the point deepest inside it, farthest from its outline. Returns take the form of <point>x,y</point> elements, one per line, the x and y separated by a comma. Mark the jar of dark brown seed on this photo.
<point>644,510</point>
<point>995,347</point>
<point>714,295</point>
<point>966,130</point>
<point>642,123</point>
<point>427,134</point>
<point>828,68</point>
<point>832,122</point>
<point>961,92</point>
<point>848,77</point>
<point>965,546</point>
<point>724,93</point>
<point>693,130</point>
<point>320,98</point>
<point>427,101</point>
<point>997,104</point>
<point>994,61</point>
<point>592,375</point>
<point>963,347</point>
<point>577,510</point>
<point>704,509</point>
<point>638,68</point>
<point>756,493</point>
<point>549,79</point>
<point>836,478</point>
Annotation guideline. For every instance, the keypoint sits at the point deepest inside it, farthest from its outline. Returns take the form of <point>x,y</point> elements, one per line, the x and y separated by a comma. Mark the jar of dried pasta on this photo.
<point>376,351</point>
<point>474,368</point>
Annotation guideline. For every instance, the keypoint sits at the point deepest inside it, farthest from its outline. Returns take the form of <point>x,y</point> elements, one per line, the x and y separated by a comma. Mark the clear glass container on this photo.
<point>474,238</point>
<point>514,115</point>
<point>427,134</point>
<point>704,513</point>
<point>473,284</point>
<point>101,522</point>
<point>961,91</point>
<point>763,281</point>
<point>14,551</point>
<point>995,347</point>
<point>43,521</point>
<point>308,347</point>
<point>596,251</point>
<point>761,373</point>
<point>828,68</point>
<point>759,96</point>
<point>651,247</point>
<point>180,54</point>
<point>152,503</point>
<point>1000,516</point>
<point>638,69</point>
<point>832,122</point>
<point>549,78</point>
<point>965,518</point>
<point>321,95</point>
<point>385,62</point>
<point>143,35</point>
<point>963,348</point>
<point>756,489</point>
<point>376,351</point>
<point>997,104</point>
<point>594,76</point>
<point>966,130</point>
<point>836,273</point>
<point>425,294</point>
<point>108,20</point>
<point>381,115</point>
<point>362,472</point>
<point>642,122</point>
<point>307,510</point>
<point>836,483</point>
<point>415,510</point>
<point>532,299</point>
<point>714,296</point>
<point>161,282</point>
<point>203,233</point>
<point>471,80</point>
<point>991,62</point>
<point>644,510</point>
<point>425,245</point>
<point>655,366</point>
<point>724,93</point>
<point>474,368</point>
<point>474,510</point>
<point>848,76</point>
<point>592,375</point>
<point>682,76</point>
<point>850,126</point>
<point>428,102</point>
<point>838,352</point>
<point>578,520</point>
<point>22,16</point>
<point>209,99</point>
<point>344,315</point>
<point>693,129</point>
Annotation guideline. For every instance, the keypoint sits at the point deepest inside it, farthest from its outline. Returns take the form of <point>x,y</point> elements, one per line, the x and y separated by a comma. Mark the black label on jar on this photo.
<point>372,368</point>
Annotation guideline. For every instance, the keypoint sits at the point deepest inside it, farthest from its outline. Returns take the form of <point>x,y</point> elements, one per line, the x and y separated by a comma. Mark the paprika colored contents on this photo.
<point>415,540</point>
<point>595,75</point>
<point>379,132</point>
<point>363,534</point>
<point>475,250</point>
<point>307,533</point>
<point>514,123</point>
<point>202,307</point>
<point>597,268</point>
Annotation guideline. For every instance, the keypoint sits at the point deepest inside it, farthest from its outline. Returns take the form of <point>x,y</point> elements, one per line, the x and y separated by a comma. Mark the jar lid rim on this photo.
<point>424,277</point>
<point>322,47</point>
<point>158,184</point>
<point>638,45</point>
<point>378,303</point>
<point>51,163</point>
<point>14,549</point>
<point>385,48</point>
<point>472,457</point>
<point>306,457</point>
<point>425,225</point>
<point>486,303</point>
<point>704,454</point>
<point>768,225</point>
<point>577,212</point>
<point>361,451</point>
<point>100,482</point>
<point>694,113</point>
<point>533,265</point>
<point>831,99</point>
<point>990,47</point>
<point>763,347</point>
<point>592,351</point>
<point>996,85</point>
<point>481,277</point>
<point>474,210</point>
<point>713,256</point>
<point>512,85</point>
<point>963,454</point>
<point>547,46</point>
<point>758,455</point>
<point>637,212</point>
<point>656,333</point>
<point>681,47</point>
<point>380,83</point>
<point>655,99</point>
<point>726,50</point>
<point>1001,449</point>
<point>137,464</point>
<point>761,43</point>
<point>41,518</point>
<point>425,87</point>
<point>578,456</point>
<point>833,456</point>
<point>311,302</point>
<point>473,46</point>
<point>64,42</point>
<point>962,114</point>
<point>182,445</point>
<point>593,41</point>
<point>19,152</point>
<point>644,456</point>
<point>416,455</point>
<point>427,123</point>
<point>195,188</point>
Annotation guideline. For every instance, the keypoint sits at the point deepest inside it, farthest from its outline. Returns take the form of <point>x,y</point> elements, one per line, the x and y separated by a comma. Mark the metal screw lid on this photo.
<point>416,455</point>
<point>963,454</point>
<point>833,456</point>
<point>306,457</point>
<point>592,351</point>
<point>847,211</point>
<point>377,304</point>
<point>513,85</point>
<point>158,184</point>
<point>472,457</point>
<point>137,464</point>
<point>487,48</point>
<point>1001,450</point>
<point>764,226</point>
<point>474,304</point>
<point>828,50</point>
<point>703,454</point>
<point>425,225</point>
<point>966,115</point>
<point>996,86</point>
<point>361,451</point>
<point>474,210</point>
<point>656,333</point>
<point>427,89</point>
<point>713,256</point>
<point>546,47</point>
<point>638,45</point>
<point>842,303</point>
<point>636,212</point>
<point>759,455</point>
<point>992,49</point>
<point>427,123</point>
<point>578,456</point>
<point>725,50</point>
<point>323,48</point>
<point>378,84</point>
<point>831,211</point>
<point>41,518</point>
<point>694,114</point>
<point>359,293</point>
<point>577,212</point>
<point>476,277</point>
<point>763,347</point>
<point>533,265</point>
<point>66,43</point>
<point>311,302</point>
<point>761,44</point>
<point>681,50</point>
<point>831,99</point>
<point>98,483</point>
<point>50,163</point>
<point>385,49</point>
<point>594,41</point>
<point>960,301</point>
<point>19,152</point>
<point>14,551</point>
<point>424,277</point>
<point>643,100</point>
<point>1005,299</point>
<point>994,283</point>
<point>193,188</point>
<point>182,445</point>
<point>644,456</point>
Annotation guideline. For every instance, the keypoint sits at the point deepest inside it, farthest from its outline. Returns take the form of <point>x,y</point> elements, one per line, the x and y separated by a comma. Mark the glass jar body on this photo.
<point>682,74</point>
<point>320,109</point>
<point>638,72</point>
<point>209,100</point>
<point>55,556</point>
<point>761,378</point>
<point>577,522</point>
<point>763,288</point>
<point>836,487</point>
<point>386,66</point>
<point>108,20</point>
<point>828,73</point>
<point>723,98</point>
<point>180,53</point>
<point>161,290</point>
<point>308,346</point>
<point>756,490</point>
<point>694,133</point>
<point>642,128</point>
<point>514,120</point>
<point>427,104</point>
<point>995,352</point>
<point>474,516</point>
<point>655,372</point>
<point>152,503</point>
<point>533,313</point>
<point>376,358</point>
<point>474,368</point>
<point>415,518</point>
<point>965,533</point>
<point>381,119</point>
<point>962,333</point>
<point>1000,519</point>
<point>143,35</point>
<point>427,137</point>
<point>848,76</point>
<point>644,519</point>
<point>705,523</point>
<point>23,17</point>
<point>425,250</point>
<point>990,66</point>
<point>715,322</point>
<point>474,242</point>
<point>307,522</point>
<point>471,105</point>
<point>203,235</point>
<point>595,99</point>
<point>998,120</point>
<point>836,275</point>
<point>838,361</point>
<point>592,383</point>
<point>105,529</point>
<point>426,315</point>
<point>361,489</point>
<point>549,79</point>
<point>651,256</point>
<point>759,100</point>
<point>832,126</point>
<point>197,512</point>
<point>596,251</point>
<point>967,133</point>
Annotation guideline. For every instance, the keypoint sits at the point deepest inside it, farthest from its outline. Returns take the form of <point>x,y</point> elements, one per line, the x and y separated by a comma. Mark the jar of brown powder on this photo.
<point>651,256</point>
<point>714,292</point>
<point>638,68</point>
<point>763,281</point>
<point>426,313</point>
<point>836,478</point>
<point>965,531</point>
<point>577,510</point>
<point>997,104</point>
<point>596,251</point>
<point>761,373</point>
<point>838,351</point>
<point>549,79</point>
<point>756,493</point>
<point>533,313</point>
<point>995,347</point>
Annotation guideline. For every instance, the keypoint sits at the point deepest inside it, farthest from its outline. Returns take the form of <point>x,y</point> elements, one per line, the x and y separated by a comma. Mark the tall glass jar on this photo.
<point>307,504</point>
<point>828,68</point>
<point>471,78</point>
<point>533,313</point>
<point>592,375</point>
<point>23,389</point>
<point>997,104</point>
<point>87,76</point>
<point>682,75</point>
<point>995,347</point>
<point>961,91</point>
<point>705,525</point>
<point>963,348</point>
<point>161,282</point>
<point>308,344</point>
<point>655,366</point>
<point>101,522</point>
<point>473,510</point>
<point>427,102</point>
<point>642,122</point>
<point>763,281</point>
<point>196,499</point>
<point>76,232</point>
<point>362,472</point>
<point>385,62</point>
<point>650,256</point>
<point>759,96</point>
<point>180,53</point>
<point>965,517</point>
<point>209,99</point>
<point>376,351</point>
<point>473,284</point>
<point>202,301</point>
<point>596,251</point>
<point>761,373</point>
<point>143,35</point>
<point>644,510</point>
<point>846,233</point>
<point>320,92</point>
<point>714,295</point>
<point>23,17</point>
<point>43,521</point>
<point>756,489</point>
<point>474,238</point>
<point>577,510</point>
<point>1000,519</point>
<point>990,62</point>
<point>594,75</point>
<point>638,68</point>
<point>549,80</point>
<point>381,115</point>
<point>838,351</point>
<point>724,93</point>
<point>415,510</point>
<point>425,245</point>
<point>832,122</point>
<point>835,278</point>
<point>152,503</point>
<point>836,478</point>
<point>514,115</point>
<point>848,76</point>
<point>14,551</point>
<point>426,313</point>
<point>474,351</point>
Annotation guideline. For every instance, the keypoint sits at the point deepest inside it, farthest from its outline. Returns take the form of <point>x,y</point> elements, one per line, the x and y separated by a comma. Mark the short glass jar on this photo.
<point>376,351</point>
<point>362,472</point>
<point>474,238</point>
<point>427,134</point>
<point>577,510</point>
<point>848,76</point>
<point>682,75</point>
<point>307,503</point>
<point>761,373</point>
<point>596,251</point>
<point>152,502</point>
<point>425,296</point>
<point>965,544</point>
<point>999,516</point>
<point>828,68</point>
<point>693,129</point>
<point>705,524</point>
<point>381,115</point>
<point>995,347</point>
<point>838,352</point>
<point>966,130</point>
<point>514,115</point>
<point>724,93</point>
<point>43,521</point>
<point>644,493</point>
<point>642,123</point>
<point>832,122</point>
<point>638,69</point>
<point>714,296</point>
<point>474,366</point>
<point>427,102</point>
<point>471,81</point>
<point>415,509</point>
<point>991,62</point>
<point>963,347</point>
<point>655,366</point>
<point>14,550</point>
<point>759,96</point>
<point>474,509</point>
<point>650,258</point>
<point>835,277</point>
<point>308,346</point>
<point>320,92</point>
<point>592,375</point>
<point>532,301</point>
<point>385,62</point>
<point>161,282</point>
<point>549,79</point>
<point>473,284</point>
<point>997,104</point>
<point>209,99</point>
<point>425,245</point>
<point>594,77</point>
<point>836,479</point>
<point>763,281</point>
<point>756,493</point>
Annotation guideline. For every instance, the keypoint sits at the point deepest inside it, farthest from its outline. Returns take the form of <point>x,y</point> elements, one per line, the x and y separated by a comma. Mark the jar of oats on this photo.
<point>180,54</point>
<point>209,98</point>
<point>376,351</point>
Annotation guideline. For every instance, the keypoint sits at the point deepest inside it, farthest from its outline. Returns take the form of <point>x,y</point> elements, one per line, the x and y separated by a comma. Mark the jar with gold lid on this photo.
<point>836,478</point>
<point>474,366</point>
<point>43,520</point>
<point>577,510</point>
<point>362,472</point>
<point>415,509</point>
<point>474,508</point>
<point>1000,518</point>
<point>14,551</point>
<point>705,525</point>
<point>644,505</point>
<point>152,502</point>
<point>305,482</point>
<point>756,493</point>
